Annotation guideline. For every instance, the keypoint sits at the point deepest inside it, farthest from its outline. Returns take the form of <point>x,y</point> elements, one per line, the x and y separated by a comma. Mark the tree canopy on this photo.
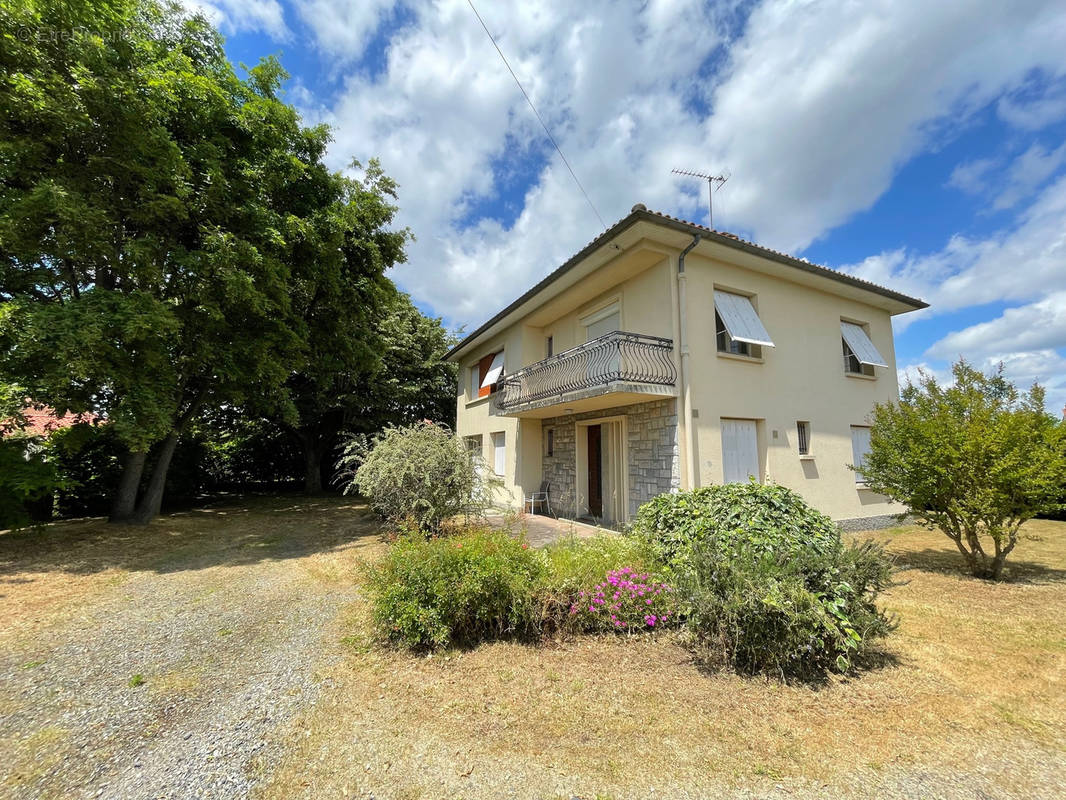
<point>171,239</point>
<point>975,459</point>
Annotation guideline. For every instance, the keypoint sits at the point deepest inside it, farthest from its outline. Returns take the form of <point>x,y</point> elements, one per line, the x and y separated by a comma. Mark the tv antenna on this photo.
<point>720,179</point>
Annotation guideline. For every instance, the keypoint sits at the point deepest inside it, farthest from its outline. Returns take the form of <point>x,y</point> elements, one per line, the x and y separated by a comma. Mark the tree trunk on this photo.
<point>153,495</point>
<point>312,448</point>
<point>126,497</point>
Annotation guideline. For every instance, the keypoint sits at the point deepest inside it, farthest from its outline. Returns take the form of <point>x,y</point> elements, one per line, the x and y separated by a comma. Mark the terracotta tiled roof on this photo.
<point>42,420</point>
<point>770,251</point>
<point>641,213</point>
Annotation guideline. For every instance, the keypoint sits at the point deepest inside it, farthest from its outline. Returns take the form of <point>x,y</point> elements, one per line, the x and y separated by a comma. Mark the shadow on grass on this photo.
<point>951,562</point>
<point>873,661</point>
<point>235,533</point>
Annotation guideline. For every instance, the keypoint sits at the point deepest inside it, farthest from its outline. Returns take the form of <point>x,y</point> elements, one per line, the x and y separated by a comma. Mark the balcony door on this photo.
<point>602,362</point>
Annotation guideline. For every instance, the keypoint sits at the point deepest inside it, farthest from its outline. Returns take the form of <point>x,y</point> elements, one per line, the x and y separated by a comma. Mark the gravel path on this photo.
<point>228,654</point>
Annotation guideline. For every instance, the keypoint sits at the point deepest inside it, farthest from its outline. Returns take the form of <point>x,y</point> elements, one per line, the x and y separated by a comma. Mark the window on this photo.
<point>499,451</point>
<point>738,329</point>
<point>852,365</point>
<point>860,447</point>
<point>475,381</point>
<point>550,346</point>
<point>727,344</point>
<point>549,442</point>
<point>606,320</point>
<point>860,354</point>
<point>803,438</point>
<point>485,375</point>
<point>473,447</point>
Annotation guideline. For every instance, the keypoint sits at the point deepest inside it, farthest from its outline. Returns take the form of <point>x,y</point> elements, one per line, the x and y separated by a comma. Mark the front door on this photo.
<point>595,472</point>
<point>740,450</point>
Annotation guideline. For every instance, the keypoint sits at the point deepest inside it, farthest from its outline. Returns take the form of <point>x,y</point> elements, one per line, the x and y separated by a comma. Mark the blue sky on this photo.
<point>922,146</point>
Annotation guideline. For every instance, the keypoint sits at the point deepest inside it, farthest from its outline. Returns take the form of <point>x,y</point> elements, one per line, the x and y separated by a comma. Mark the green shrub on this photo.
<point>26,477</point>
<point>792,614</point>
<point>421,473</point>
<point>769,519</point>
<point>458,590</point>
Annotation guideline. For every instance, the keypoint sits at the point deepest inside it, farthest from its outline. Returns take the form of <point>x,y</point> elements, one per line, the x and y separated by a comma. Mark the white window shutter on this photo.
<point>495,371</point>
<point>860,446</point>
<point>861,345</point>
<point>740,320</point>
<point>499,446</point>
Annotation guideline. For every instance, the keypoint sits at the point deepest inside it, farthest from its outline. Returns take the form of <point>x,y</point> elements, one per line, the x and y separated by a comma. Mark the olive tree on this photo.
<point>974,459</point>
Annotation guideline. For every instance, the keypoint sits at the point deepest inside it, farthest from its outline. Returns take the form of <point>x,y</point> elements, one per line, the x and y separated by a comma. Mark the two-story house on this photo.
<point>665,356</point>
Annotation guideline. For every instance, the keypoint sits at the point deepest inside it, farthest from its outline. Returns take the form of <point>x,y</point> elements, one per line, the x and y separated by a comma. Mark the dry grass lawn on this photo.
<point>968,701</point>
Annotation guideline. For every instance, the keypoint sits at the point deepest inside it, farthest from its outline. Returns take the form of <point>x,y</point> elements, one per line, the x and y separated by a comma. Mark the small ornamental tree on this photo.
<point>422,474</point>
<point>975,459</point>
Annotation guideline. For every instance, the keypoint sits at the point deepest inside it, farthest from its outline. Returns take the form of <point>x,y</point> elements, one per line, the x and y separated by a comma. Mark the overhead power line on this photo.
<point>537,113</point>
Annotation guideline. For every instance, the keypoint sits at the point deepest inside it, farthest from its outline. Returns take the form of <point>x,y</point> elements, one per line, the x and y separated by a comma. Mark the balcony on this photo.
<point>614,370</point>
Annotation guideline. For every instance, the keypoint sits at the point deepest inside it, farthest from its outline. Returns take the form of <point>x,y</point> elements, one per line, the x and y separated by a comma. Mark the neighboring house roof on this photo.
<point>640,213</point>
<point>42,421</point>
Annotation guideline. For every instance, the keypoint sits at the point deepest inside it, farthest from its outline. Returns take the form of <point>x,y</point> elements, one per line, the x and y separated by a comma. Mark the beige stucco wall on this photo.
<point>802,378</point>
<point>644,300</point>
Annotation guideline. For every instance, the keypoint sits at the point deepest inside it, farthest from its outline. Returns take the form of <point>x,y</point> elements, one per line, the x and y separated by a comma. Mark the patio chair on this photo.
<point>541,496</point>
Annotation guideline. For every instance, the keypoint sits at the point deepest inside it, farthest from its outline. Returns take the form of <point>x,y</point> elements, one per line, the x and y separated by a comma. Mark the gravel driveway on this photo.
<point>172,676</point>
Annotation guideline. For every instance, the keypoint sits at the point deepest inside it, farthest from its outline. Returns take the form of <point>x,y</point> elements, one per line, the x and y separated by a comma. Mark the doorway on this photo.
<point>602,477</point>
<point>595,470</point>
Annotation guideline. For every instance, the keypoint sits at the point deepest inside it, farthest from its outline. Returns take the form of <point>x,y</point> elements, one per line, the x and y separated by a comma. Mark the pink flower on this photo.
<point>650,619</point>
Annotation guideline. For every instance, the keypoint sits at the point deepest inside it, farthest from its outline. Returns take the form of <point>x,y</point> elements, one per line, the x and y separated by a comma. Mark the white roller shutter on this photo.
<point>740,450</point>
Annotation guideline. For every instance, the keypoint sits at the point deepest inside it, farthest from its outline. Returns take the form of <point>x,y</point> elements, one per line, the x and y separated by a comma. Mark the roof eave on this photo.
<point>639,215</point>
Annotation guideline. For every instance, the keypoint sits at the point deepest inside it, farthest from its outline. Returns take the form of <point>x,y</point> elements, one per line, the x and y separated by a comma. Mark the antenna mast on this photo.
<point>720,179</point>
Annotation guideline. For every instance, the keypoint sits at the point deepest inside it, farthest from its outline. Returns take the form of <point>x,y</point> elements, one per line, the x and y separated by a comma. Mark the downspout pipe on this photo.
<point>692,477</point>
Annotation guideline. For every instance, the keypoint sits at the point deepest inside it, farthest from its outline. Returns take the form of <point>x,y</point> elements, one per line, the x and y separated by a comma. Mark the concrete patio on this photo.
<point>542,530</point>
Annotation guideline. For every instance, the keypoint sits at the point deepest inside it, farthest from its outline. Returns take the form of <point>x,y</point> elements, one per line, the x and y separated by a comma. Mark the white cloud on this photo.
<point>816,106</point>
<point>972,176</point>
<point>609,84</point>
<point>1024,263</point>
<point>1034,114</point>
<point>1028,172</point>
<point>231,16</point>
<point>824,101</point>
<point>1036,326</point>
<point>343,29</point>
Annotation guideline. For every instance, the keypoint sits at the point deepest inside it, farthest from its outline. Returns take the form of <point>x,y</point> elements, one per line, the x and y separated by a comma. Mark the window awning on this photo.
<point>741,322</point>
<point>861,345</point>
<point>495,371</point>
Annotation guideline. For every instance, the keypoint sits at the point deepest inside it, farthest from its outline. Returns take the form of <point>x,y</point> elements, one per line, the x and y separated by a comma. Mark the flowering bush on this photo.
<point>626,601</point>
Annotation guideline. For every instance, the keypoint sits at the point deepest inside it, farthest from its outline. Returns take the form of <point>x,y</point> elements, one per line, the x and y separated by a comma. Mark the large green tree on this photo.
<point>974,459</point>
<point>391,372</point>
<point>159,219</point>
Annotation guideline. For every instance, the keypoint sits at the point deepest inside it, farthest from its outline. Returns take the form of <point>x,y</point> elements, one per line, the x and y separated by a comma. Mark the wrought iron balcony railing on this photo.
<point>617,357</point>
